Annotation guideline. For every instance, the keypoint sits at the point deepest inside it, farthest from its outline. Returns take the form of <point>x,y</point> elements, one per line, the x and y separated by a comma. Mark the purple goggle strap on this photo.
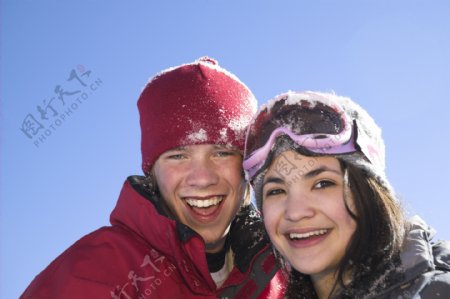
<point>326,144</point>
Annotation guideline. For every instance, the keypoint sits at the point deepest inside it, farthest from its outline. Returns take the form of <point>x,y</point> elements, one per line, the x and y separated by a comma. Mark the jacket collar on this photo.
<point>138,211</point>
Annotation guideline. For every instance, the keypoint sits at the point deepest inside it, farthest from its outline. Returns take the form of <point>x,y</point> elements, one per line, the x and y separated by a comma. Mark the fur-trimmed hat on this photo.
<point>370,149</point>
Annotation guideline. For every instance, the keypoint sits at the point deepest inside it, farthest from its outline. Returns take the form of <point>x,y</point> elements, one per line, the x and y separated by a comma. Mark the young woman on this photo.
<point>316,162</point>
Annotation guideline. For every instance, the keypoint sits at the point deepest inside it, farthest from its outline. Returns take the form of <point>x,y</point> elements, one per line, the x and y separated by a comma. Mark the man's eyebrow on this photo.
<point>228,147</point>
<point>179,148</point>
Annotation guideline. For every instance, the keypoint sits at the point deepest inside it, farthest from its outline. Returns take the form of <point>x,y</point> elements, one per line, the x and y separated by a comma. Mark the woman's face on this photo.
<point>305,213</point>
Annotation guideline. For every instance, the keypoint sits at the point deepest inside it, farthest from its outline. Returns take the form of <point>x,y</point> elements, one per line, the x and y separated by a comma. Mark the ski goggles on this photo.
<point>312,121</point>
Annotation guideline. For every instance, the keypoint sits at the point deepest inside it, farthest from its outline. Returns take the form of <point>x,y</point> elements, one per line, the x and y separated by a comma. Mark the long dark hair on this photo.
<point>373,251</point>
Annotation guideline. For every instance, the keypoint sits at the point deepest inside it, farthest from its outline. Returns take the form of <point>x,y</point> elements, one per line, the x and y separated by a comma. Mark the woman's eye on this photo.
<point>324,184</point>
<point>273,192</point>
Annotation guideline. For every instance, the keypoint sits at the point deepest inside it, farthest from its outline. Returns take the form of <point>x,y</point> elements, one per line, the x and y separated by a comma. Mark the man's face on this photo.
<point>202,186</point>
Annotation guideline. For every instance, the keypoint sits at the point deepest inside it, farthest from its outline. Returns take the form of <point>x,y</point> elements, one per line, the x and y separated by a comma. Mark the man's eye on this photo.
<point>225,153</point>
<point>176,157</point>
<point>324,184</point>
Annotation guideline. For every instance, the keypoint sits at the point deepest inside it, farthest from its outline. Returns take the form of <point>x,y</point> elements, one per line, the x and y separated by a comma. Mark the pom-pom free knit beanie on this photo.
<point>195,103</point>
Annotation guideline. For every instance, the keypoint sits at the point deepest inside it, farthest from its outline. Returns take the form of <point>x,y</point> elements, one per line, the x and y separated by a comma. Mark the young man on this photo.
<point>187,229</point>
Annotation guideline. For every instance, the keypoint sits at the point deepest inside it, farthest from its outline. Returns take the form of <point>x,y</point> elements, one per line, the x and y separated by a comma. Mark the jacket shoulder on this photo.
<point>426,264</point>
<point>91,263</point>
<point>438,285</point>
<point>439,280</point>
<point>441,254</point>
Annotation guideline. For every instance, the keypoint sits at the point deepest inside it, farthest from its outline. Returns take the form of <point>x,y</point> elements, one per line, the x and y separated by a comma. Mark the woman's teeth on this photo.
<point>309,234</point>
<point>204,203</point>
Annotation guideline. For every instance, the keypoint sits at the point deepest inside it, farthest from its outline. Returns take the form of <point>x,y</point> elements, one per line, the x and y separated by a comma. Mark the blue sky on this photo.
<point>391,58</point>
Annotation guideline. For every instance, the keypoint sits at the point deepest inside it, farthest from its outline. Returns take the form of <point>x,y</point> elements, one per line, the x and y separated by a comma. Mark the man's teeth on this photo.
<point>204,203</point>
<point>309,234</point>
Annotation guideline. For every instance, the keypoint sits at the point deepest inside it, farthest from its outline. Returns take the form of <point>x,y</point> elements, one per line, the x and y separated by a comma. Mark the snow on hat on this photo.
<point>194,103</point>
<point>370,155</point>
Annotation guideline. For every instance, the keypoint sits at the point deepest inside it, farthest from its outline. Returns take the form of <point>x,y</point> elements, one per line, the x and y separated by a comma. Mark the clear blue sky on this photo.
<point>392,57</point>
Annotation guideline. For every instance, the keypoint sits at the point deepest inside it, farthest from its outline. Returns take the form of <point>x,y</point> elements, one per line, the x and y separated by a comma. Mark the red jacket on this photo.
<point>144,254</point>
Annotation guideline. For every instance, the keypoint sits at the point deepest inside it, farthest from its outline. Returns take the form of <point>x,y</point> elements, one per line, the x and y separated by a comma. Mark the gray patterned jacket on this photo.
<point>425,268</point>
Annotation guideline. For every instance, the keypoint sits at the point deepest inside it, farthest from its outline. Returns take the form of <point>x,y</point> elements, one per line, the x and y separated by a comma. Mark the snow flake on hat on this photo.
<point>198,136</point>
<point>238,124</point>
<point>223,134</point>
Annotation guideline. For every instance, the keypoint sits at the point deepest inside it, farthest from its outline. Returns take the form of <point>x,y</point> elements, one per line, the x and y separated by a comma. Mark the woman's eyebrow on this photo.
<point>272,179</point>
<point>317,171</point>
<point>308,175</point>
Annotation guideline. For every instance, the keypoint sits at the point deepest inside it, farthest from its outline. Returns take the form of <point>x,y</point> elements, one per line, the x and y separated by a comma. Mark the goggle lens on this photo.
<point>318,127</point>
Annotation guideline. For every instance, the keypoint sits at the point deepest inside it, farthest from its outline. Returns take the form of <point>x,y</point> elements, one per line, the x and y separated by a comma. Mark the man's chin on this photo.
<point>215,246</point>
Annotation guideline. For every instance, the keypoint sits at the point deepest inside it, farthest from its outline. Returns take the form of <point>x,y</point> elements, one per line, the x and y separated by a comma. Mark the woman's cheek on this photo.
<point>269,215</point>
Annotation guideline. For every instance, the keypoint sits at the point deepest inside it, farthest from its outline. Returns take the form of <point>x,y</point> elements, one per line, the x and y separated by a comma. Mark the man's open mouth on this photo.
<point>204,203</point>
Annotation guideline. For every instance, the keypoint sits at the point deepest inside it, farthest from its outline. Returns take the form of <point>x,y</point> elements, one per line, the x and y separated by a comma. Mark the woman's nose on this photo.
<point>298,206</point>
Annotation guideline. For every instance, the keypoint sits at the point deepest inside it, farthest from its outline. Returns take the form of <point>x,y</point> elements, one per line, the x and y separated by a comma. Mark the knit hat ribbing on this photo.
<point>195,103</point>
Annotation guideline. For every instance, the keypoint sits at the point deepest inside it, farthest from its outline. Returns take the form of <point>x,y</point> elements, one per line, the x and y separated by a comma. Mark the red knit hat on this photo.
<point>195,103</point>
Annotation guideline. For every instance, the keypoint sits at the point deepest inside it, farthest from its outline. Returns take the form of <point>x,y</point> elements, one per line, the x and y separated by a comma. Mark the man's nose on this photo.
<point>202,173</point>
